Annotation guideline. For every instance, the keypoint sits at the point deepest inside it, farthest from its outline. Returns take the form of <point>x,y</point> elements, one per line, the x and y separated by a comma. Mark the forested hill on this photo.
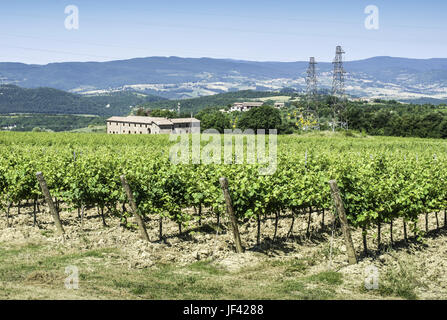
<point>14,99</point>
<point>218,100</point>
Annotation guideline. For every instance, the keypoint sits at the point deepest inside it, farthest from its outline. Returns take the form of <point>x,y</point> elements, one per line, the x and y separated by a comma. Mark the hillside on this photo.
<point>218,100</point>
<point>174,77</point>
<point>14,99</point>
<point>48,122</point>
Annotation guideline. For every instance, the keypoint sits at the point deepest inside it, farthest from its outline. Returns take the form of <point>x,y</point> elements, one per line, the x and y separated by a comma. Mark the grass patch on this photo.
<point>64,259</point>
<point>320,286</point>
<point>301,289</point>
<point>291,266</point>
<point>47,233</point>
<point>327,277</point>
<point>140,289</point>
<point>207,267</point>
<point>326,251</point>
<point>136,288</point>
<point>399,282</point>
<point>6,252</point>
<point>15,268</point>
<point>172,282</point>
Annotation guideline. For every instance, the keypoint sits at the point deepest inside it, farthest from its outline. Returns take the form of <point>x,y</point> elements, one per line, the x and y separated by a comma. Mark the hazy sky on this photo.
<point>33,31</point>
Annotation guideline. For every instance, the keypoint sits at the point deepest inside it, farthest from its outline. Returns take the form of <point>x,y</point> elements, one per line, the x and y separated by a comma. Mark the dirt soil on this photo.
<point>406,270</point>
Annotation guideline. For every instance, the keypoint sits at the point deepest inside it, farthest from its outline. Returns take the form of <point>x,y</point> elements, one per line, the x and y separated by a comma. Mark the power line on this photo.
<point>338,90</point>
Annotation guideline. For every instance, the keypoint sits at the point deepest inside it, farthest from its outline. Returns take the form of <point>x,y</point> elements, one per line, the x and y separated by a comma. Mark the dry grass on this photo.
<point>114,264</point>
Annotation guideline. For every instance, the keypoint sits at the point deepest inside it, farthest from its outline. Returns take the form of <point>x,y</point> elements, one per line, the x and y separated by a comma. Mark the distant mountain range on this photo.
<point>174,77</point>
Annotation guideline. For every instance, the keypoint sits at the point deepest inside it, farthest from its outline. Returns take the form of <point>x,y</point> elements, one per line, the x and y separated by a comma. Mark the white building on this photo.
<point>151,125</point>
<point>245,106</point>
<point>279,105</point>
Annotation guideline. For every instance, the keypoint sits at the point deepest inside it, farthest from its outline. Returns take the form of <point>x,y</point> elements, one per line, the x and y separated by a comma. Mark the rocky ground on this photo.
<point>411,270</point>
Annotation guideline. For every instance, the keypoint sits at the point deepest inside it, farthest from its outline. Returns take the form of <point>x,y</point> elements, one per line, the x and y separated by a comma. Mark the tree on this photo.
<point>212,118</point>
<point>162,113</point>
<point>443,129</point>
<point>264,117</point>
<point>140,112</point>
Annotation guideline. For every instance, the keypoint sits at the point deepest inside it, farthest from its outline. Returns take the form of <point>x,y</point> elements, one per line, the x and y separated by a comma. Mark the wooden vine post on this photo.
<point>344,221</point>
<point>133,206</point>
<point>229,204</point>
<point>49,200</point>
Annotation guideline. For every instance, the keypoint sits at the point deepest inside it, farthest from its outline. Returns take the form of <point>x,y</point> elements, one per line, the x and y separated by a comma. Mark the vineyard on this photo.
<point>388,185</point>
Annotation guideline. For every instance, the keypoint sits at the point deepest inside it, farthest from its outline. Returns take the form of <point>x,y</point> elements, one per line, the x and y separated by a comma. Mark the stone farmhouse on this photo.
<point>245,106</point>
<point>151,125</point>
<point>279,105</point>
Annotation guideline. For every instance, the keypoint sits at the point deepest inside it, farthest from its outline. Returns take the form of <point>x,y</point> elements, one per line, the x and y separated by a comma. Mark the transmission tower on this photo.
<point>310,115</point>
<point>311,79</point>
<point>338,90</point>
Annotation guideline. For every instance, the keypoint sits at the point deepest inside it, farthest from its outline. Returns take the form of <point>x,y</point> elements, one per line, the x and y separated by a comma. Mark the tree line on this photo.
<point>378,117</point>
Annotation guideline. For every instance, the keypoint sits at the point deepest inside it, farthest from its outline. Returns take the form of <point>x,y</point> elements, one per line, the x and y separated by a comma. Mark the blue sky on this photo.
<point>32,31</point>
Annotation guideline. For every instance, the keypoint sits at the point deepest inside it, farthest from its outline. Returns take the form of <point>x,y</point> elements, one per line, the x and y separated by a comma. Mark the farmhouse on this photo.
<point>279,105</point>
<point>245,106</point>
<point>151,125</point>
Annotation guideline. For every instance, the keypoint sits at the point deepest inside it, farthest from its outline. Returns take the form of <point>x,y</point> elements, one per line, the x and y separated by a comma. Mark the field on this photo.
<point>274,98</point>
<point>91,129</point>
<point>394,192</point>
